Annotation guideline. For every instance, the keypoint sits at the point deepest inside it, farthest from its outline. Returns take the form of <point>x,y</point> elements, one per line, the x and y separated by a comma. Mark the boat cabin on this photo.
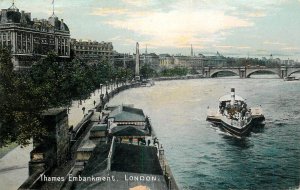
<point>233,106</point>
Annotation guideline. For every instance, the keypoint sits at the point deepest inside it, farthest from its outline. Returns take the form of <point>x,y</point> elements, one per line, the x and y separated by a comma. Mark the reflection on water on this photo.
<point>265,76</point>
<point>202,156</point>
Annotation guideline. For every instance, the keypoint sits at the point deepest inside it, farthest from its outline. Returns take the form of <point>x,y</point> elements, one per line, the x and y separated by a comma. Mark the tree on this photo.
<point>48,84</point>
<point>177,71</point>
<point>147,71</point>
<point>20,115</point>
<point>50,75</point>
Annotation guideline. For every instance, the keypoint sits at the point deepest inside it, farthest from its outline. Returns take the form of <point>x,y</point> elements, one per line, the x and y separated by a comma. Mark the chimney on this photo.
<point>232,96</point>
<point>28,15</point>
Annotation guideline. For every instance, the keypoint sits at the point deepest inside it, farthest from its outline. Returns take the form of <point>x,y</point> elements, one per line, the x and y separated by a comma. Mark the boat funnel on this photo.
<point>232,96</point>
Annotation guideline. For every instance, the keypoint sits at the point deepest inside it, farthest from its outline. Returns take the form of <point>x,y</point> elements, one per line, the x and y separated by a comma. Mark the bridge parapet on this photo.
<point>272,70</point>
<point>211,71</point>
<point>247,71</point>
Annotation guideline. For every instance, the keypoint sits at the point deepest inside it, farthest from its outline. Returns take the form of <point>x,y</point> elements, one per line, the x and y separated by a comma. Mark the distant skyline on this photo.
<point>232,27</point>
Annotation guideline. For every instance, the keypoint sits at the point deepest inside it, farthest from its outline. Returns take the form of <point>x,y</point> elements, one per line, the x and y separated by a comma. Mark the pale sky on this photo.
<point>233,27</point>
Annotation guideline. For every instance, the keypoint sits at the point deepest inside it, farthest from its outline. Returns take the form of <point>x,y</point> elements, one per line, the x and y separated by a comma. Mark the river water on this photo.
<point>203,157</point>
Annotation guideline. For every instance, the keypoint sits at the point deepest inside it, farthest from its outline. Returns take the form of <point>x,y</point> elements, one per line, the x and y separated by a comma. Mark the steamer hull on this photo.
<point>234,117</point>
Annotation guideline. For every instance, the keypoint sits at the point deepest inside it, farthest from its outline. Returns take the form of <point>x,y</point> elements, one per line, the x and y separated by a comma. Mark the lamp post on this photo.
<point>101,97</point>
<point>106,86</point>
<point>101,88</point>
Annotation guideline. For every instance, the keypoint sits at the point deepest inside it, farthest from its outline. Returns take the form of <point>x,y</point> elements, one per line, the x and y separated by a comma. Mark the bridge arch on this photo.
<point>293,71</point>
<point>215,72</point>
<point>250,72</point>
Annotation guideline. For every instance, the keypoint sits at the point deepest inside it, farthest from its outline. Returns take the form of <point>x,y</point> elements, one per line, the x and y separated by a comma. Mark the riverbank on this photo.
<point>179,77</point>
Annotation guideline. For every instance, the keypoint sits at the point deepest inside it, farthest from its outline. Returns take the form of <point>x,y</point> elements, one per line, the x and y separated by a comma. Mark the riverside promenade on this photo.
<point>14,165</point>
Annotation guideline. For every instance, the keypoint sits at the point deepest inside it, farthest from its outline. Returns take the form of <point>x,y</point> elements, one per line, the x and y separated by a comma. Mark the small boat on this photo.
<point>290,78</point>
<point>234,116</point>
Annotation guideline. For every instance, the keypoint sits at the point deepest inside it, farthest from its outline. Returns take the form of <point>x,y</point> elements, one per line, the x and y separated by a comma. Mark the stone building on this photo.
<point>92,51</point>
<point>53,148</point>
<point>150,59</point>
<point>194,63</point>
<point>125,60</point>
<point>31,39</point>
<point>166,61</point>
<point>215,60</point>
<point>181,61</point>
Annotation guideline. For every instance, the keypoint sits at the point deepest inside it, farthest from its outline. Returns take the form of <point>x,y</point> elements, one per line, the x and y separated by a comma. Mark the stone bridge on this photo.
<point>246,72</point>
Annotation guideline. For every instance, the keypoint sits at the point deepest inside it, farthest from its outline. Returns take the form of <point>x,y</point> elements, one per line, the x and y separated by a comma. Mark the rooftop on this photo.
<point>129,160</point>
<point>99,127</point>
<point>126,113</point>
<point>129,130</point>
<point>136,159</point>
<point>13,15</point>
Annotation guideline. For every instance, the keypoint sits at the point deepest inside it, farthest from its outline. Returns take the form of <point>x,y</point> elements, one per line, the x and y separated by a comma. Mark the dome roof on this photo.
<point>13,16</point>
